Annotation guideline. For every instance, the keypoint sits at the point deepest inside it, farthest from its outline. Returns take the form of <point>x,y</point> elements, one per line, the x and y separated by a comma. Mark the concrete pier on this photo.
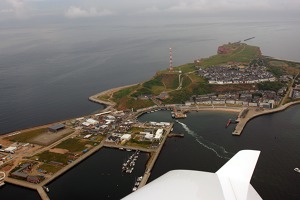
<point>42,193</point>
<point>37,187</point>
<point>74,163</point>
<point>153,159</point>
<point>253,112</point>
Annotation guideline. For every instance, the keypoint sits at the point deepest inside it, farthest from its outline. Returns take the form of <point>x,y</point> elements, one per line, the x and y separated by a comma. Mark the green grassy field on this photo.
<point>124,92</point>
<point>189,67</point>
<point>48,156</point>
<point>50,168</point>
<point>243,54</point>
<point>73,145</point>
<point>27,136</point>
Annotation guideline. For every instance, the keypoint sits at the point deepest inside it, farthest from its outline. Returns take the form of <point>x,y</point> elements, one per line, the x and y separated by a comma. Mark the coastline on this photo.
<point>109,104</point>
<point>238,129</point>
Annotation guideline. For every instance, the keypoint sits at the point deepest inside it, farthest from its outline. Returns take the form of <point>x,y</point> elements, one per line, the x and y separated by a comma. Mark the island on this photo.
<point>238,79</point>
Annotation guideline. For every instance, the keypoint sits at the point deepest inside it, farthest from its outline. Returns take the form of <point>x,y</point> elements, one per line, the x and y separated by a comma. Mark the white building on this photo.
<point>126,137</point>
<point>92,121</point>
<point>149,136</point>
<point>158,134</point>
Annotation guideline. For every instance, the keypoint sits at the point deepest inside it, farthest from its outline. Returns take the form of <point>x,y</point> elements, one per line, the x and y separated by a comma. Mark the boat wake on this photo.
<point>218,150</point>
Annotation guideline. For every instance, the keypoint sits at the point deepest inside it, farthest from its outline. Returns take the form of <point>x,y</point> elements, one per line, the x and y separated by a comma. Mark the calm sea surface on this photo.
<point>48,71</point>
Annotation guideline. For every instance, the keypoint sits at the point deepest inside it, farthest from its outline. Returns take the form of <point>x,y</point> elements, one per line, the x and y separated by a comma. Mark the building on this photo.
<point>92,121</point>
<point>158,134</point>
<point>126,137</point>
<point>56,127</point>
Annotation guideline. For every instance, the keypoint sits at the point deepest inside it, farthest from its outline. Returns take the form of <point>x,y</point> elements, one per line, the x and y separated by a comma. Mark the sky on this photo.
<point>74,9</point>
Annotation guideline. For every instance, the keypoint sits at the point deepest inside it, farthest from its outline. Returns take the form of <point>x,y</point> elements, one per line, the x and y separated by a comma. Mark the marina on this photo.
<point>137,183</point>
<point>128,166</point>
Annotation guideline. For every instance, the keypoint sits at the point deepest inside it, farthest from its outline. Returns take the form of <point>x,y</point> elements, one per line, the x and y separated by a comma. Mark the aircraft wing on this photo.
<point>230,182</point>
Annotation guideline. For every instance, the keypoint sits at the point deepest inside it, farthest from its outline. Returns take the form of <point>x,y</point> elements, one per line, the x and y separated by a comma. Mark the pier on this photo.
<point>246,116</point>
<point>176,135</point>
<point>153,159</point>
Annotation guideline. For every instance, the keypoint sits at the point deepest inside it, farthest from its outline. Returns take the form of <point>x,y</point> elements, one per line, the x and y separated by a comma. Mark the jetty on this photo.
<point>250,113</point>
<point>153,158</point>
<point>176,135</point>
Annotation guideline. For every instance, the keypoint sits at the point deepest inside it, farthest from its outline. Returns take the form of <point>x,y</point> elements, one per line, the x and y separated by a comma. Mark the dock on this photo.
<point>245,116</point>
<point>153,159</point>
<point>176,135</point>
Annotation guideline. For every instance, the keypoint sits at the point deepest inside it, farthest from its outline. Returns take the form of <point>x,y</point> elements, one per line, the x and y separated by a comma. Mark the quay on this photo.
<point>116,146</point>
<point>153,158</point>
<point>245,117</point>
<point>176,135</point>
<point>186,109</point>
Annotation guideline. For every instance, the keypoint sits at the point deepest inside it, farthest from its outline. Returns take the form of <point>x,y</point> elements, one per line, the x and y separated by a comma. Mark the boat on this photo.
<point>228,123</point>
<point>46,189</point>
<point>297,170</point>
<point>140,178</point>
<point>179,115</point>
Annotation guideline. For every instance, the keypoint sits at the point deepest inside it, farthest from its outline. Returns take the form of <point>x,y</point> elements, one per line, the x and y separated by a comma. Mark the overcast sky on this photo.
<point>74,9</point>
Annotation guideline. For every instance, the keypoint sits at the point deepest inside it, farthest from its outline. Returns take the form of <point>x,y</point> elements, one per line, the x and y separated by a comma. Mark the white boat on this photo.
<point>297,170</point>
<point>46,189</point>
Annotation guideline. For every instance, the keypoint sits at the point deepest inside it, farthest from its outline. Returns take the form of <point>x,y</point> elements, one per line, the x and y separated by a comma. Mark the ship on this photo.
<point>180,115</point>
<point>297,170</point>
<point>140,178</point>
<point>46,188</point>
<point>228,123</point>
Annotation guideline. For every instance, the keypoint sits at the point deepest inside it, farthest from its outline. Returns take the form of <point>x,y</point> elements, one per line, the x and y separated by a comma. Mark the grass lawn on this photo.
<point>27,136</point>
<point>48,156</point>
<point>133,143</point>
<point>170,81</point>
<point>186,81</point>
<point>129,103</point>
<point>156,90</point>
<point>73,145</point>
<point>124,92</point>
<point>103,97</point>
<point>243,54</point>
<point>189,67</point>
<point>136,129</point>
<point>50,168</point>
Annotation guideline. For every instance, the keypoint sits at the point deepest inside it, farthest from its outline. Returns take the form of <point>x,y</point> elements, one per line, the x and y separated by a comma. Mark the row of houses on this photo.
<point>236,75</point>
<point>266,99</point>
